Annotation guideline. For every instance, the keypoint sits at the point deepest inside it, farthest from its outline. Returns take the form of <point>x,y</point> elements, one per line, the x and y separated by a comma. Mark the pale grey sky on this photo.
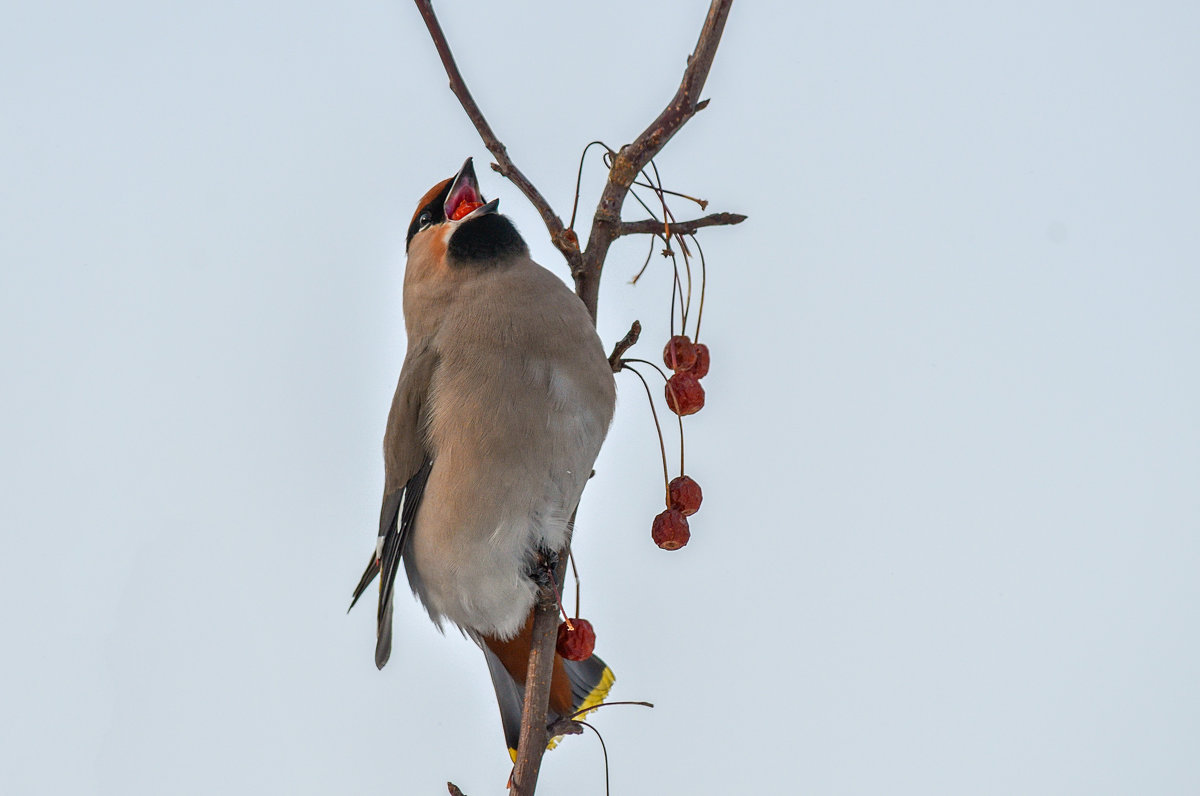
<point>950,455</point>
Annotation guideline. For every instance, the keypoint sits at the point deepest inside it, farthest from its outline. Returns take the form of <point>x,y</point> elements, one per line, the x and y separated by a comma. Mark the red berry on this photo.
<point>577,643</point>
<point>685,396</point>
<point>679,354</point>
<point>700,369</point>
<point>684,495</point>
<point>464,208</point>
<point>670,530</point>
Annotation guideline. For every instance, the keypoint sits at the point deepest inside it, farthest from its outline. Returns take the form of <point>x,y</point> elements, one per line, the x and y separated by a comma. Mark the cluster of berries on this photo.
<point>689,362</point>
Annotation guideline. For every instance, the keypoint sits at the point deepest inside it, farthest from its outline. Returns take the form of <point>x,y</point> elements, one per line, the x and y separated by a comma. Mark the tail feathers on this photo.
<point>383,642</point>
<point>383,635</point>
<point>365,581</point>
<point>590,681</point>
<point>511,697</point>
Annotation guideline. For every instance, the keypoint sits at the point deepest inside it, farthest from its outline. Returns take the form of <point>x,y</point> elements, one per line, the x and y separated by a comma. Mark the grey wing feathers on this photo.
<point>389,514</point>
<point>395,521</point>
<point>509,695</point>
<point>389,560</point>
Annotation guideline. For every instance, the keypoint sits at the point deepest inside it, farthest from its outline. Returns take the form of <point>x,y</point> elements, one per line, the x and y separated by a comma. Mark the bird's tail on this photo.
<point>591,680</point>
<point>575,686</point>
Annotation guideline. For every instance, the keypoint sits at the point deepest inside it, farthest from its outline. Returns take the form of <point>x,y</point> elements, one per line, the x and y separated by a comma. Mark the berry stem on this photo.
<point>682,469</point>
<point>579,178</point>
<point>703,282</point>
<point>645,265</point>
<point>676,289</point>
<point>660,438</point>
<point>558,599</point>
<point>687,267</point>
<point>603,749</point>
<point>654,413</point>
<point>575,574</point>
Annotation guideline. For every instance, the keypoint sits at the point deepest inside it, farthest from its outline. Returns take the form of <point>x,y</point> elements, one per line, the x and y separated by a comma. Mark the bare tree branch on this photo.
<point>534,737</point>
<point>623,345</point>
<point>564,240</point>
<point>629,162</point>
<point>586,267</point>
<point>655,227</point>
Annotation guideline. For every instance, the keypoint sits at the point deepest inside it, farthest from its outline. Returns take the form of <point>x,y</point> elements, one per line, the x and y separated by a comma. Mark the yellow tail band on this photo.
<point>593,700</point>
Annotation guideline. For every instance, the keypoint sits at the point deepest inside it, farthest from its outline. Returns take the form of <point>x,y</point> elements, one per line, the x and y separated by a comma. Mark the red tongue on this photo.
<point>464,208</point>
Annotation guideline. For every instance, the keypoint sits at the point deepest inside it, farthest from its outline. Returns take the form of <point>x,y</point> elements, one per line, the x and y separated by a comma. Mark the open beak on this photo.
<point>482,210</point>
<point>464,190</point>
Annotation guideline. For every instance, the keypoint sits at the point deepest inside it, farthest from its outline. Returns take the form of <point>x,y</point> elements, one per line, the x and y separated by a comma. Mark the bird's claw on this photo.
<point>544,567</point>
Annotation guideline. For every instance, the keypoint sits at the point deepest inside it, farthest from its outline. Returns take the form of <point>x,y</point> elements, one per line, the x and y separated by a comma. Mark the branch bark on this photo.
<point>586,267</point>
<point>623,345</point>
<point>562,238</point>
<point>629,162</point>
<point>534,736</point>
<point>653,226</point>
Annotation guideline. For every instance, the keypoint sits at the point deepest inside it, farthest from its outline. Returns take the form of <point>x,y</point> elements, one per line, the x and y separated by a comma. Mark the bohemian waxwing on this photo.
<point>504,399</point>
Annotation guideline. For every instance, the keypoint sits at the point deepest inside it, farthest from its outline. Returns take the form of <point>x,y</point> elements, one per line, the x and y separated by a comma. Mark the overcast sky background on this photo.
<point>951,453</point>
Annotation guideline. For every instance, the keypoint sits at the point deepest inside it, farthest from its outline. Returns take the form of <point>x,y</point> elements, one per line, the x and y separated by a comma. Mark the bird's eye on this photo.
<point>424,220</point>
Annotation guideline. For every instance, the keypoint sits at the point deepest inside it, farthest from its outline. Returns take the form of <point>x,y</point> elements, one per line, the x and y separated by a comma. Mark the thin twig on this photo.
<point>631,159</point>
<point>586,268</point>
<point>702,202</point>
<point>655,227</point>
<point>568,244</point>
<point>623,345</point>
<point>583,711</point>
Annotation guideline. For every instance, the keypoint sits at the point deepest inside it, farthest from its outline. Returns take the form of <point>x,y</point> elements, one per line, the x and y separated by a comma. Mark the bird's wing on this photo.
<point>389,517</point>
<point>407,463</point>
<point>392,545</point>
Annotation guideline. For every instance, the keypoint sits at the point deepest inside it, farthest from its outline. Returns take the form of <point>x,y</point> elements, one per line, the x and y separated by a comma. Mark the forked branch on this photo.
<point>563,239</point>
<point>631,159</point>
<point>586,267</point>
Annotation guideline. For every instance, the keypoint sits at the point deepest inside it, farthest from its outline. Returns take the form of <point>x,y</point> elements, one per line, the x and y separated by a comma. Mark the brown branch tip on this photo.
<point>653,226</point>
<point>623,345</point>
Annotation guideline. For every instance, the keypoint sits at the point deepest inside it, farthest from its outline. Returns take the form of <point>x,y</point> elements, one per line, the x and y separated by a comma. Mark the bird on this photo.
<point>503,401</point>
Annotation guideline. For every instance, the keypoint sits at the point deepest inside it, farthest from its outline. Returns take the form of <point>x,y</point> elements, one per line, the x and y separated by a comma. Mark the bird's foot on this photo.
<point>543,567</point>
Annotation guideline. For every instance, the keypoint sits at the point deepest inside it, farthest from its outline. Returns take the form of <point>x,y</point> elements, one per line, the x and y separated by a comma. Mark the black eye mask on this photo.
<point>436,214</point>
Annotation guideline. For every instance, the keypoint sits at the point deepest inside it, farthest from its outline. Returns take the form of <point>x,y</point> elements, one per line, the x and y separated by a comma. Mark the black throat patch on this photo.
<point>484,241</point>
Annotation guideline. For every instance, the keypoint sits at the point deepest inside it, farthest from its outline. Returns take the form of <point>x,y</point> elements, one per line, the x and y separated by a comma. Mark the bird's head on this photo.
<point>455,225</point>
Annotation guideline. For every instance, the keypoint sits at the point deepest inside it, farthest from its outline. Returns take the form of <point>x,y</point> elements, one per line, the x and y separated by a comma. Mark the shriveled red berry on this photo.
<point>464,208</point>
<point>685,495</point>
<point>700,369</point>
<point>679,354</point>
<point>670,530</point>
<point>576,643</point>
<point>685,396</point>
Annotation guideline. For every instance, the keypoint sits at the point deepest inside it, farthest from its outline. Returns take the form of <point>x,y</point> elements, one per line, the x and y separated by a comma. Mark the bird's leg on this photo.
<point>542,568</point>
<point>544,573</point>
